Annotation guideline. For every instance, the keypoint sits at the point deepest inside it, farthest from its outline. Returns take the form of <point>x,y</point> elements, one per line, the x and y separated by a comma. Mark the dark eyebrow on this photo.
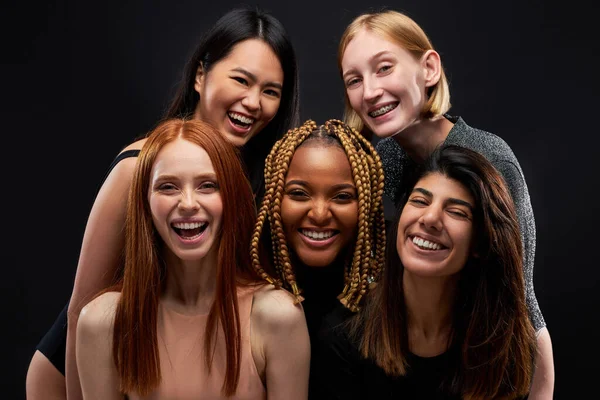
<point>344,186</point>
<point>460,203</point>
<point>255,79</point>
<point>451,200</point>
<point>351,70</point>
<point>296,182</point>
<point>334,188</point>
<point>423,191</point>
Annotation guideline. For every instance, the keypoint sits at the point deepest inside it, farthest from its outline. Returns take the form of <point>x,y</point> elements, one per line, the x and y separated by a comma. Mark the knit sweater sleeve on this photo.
<point>518,188</point>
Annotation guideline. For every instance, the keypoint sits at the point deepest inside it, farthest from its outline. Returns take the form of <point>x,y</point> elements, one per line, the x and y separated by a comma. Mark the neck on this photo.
<point>421,138</point>
<point>190,285</point>
<point>429,305</point>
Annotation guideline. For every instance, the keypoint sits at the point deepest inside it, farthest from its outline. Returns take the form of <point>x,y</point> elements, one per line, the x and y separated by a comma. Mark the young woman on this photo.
<point>192,319</point>
<point>243,79</point>
<point>320,231</point>
<point>396,89</point>
<point>448,319</point>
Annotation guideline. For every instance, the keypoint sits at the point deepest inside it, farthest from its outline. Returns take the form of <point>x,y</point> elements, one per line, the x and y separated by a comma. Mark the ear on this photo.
<point>199,80</point>
<point>432,67</point>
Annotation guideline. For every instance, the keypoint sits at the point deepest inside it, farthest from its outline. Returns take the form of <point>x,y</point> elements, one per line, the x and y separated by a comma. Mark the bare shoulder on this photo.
<point>99,314</point>
<point>276,309</point>
<point>137,145</point>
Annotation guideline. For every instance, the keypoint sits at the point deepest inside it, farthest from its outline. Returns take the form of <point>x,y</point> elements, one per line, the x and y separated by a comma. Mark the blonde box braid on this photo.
<point>367,172</point>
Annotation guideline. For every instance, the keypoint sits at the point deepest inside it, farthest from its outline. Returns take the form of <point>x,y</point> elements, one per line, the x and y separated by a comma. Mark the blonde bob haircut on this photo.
<point>402,30</point>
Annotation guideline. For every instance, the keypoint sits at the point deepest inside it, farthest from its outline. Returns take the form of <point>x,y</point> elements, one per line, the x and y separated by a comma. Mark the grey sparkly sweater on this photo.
<point>396,162</point>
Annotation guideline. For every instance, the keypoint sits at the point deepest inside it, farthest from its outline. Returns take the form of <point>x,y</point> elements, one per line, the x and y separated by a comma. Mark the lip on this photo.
<point>187,220</point>
<point>237,130</point>
<point>318,244</point>
<point>431,255</point>
<point>428,237</point>
<point>378,106</point>
<point>189,241</point>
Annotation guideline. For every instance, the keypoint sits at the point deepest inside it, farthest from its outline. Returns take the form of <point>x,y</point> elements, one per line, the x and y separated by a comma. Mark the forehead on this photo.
<point>443,187</point>
<point>318,162</point>
<point>255,56</point>
<point>181,156</point>
<point>366,43</point>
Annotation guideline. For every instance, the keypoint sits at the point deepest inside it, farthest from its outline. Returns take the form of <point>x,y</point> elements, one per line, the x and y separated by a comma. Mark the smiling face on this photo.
<point>319,208</point>
<point>385,84</point>
<point>435,230</point>
<point>241,93</point>
<point>185,200</point>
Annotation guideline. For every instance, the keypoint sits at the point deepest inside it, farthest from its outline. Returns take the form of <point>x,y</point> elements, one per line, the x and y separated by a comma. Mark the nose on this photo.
<point>188,201</point>
<point>371,90</point>
<point>319,213</point>
<point>252,100</point>
<point>432,218</point>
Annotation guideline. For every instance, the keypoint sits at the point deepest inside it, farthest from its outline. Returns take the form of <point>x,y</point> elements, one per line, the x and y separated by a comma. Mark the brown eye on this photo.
<point>352,82</point>
<point>418,201</point>
<point>208,187</point>
<point>240,80</point>
<point>297,194</point>
<point>165,187</point>
<point>344,196</point>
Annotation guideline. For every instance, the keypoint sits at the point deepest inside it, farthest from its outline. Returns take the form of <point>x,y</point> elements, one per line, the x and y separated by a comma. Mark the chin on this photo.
<point>316,262</point>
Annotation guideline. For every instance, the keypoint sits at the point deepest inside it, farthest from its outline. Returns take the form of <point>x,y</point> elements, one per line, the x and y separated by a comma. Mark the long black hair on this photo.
<point>216,43</point>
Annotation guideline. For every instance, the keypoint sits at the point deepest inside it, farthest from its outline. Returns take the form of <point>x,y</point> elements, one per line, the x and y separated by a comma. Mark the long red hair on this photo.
<point>135,343</point>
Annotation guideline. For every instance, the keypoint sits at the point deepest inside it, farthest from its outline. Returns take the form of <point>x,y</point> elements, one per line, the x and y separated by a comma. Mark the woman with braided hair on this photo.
<point>320,231</point>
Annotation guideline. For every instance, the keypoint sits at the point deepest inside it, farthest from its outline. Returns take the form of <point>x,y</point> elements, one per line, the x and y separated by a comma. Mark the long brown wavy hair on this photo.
<point>135,343</point>
<point>493,339</point>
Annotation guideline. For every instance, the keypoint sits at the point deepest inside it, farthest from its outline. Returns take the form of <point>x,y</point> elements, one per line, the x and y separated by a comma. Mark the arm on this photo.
<point>98,374</point>
<point>542,387</point>
<point>280,330</point>
<point>100,255</point>
<point>543,378</point>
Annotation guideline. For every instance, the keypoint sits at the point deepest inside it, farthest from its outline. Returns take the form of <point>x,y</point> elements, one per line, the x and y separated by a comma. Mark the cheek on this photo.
<point>156,207</point>
<point>355,98</point>
<point>217,209</point>
<point>270,109</point>
<point>403,224</point>
<point>348,217</point>
<point>289,215</point>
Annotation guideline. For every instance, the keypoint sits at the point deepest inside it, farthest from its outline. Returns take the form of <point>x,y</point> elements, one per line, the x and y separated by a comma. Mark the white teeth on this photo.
<point>426,244</point>
<point>382,110</point>
<point>317,235</point>
<point>239,117</point>
<point>186,225</point>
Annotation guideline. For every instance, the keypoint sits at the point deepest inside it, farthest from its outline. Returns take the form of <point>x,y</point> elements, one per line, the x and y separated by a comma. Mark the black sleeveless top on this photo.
<point>54,343</point>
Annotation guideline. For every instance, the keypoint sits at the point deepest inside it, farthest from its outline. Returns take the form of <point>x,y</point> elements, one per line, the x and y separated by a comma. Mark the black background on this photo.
<point>80,80</point>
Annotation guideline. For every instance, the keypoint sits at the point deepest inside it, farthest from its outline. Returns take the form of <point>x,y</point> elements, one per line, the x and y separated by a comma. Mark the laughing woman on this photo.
<point>320,230</point>
<point>242,78</point>
<point>397,90</point>
<point>191,318</point>
<point>448,319</point>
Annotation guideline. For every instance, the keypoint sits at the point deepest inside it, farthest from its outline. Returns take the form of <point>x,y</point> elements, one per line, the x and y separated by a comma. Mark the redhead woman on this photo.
<point>242,78</point>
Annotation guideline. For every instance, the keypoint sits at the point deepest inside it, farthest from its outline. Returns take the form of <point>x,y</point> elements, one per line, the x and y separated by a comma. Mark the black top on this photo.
<point>342,373</point>
<point>53,344</point>
<point>320,288</point>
